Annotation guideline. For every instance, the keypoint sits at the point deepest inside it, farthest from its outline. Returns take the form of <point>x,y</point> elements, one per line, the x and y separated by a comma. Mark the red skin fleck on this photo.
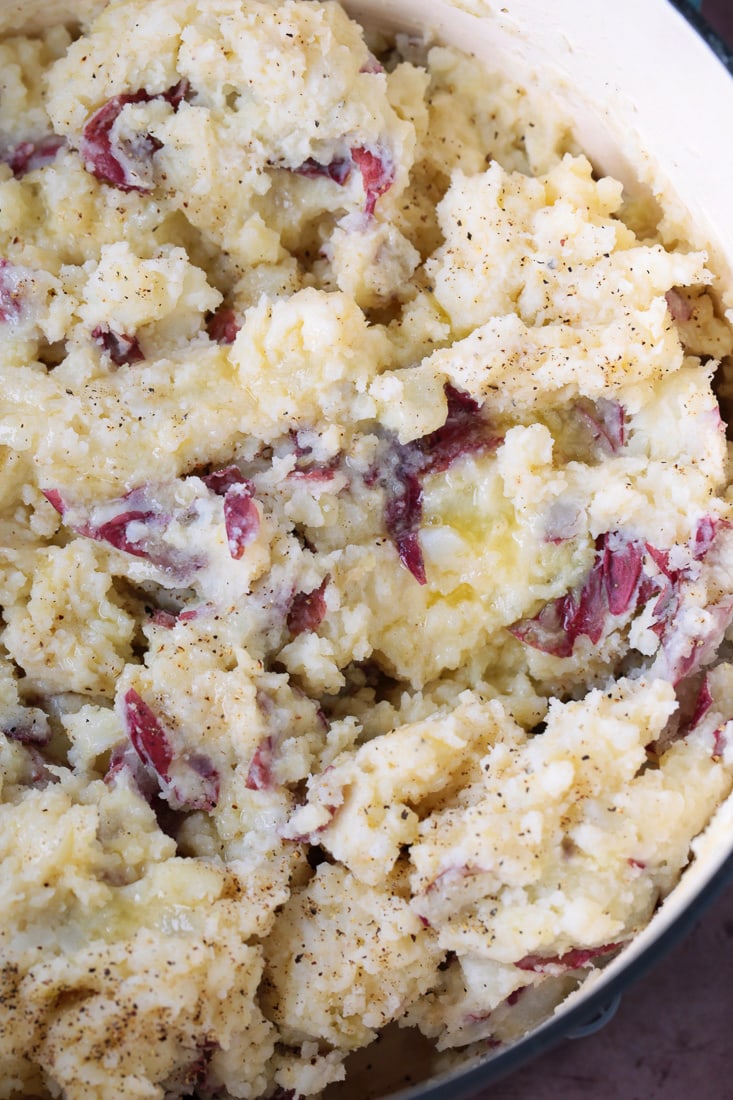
<point>259,776</point>
<point>116,763</point>
<point>571,960</point>
<point>377,174</point>
<point>451,874</point>
<point>563,522</point>
<point>637,864</point>
<point>305,470</point>
<point>313,473</point>
<point>241,518</point>
<point>402,515</point>
<point>204,768</point>
<point>163,618</point>
<point>610,588</point>
<point>115,532</point>
<point>123,760</point>
<point>222,326</point>
<point>665,607</point>
<point>198,1072</point>
<point>27,156</point>
<point>300,449</point>
<point>97,151</point>
<point>33,729</point>
<point>372,66</point>
<point>149,740</point>
<point>321,716</point>
<point>115,165</point>
<point>704,535</point>
<point>177,94</point>
<point>121,348</point>
<point>678,305</point>
<point>207,796</point>
<point>308,609</point>
<point>54,498</point>
<point>719,742</point>
<point>377,171</point>
<point>667,583</point>
<point>39,776</point>
<point>547,631</point>
<point>153,745</point>
<point>661,560</point>
<point>313,836</point>
<point>338,170</point>
<point>193,613</point>
<point>621,572</point>
<point>478,1017</point>
<point>11,302</point>
<point>465,431</point>
<point>694,700</point>
<point>702,648</point>
<point>587,615</point>
<point>606,420</point>
<point>703,704</point>
<point>220,481</point>
<point>139,506</point>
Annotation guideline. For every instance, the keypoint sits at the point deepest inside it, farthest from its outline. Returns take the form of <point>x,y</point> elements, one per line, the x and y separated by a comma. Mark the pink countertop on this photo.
<point>672,1036</point>
<point>719,14</point>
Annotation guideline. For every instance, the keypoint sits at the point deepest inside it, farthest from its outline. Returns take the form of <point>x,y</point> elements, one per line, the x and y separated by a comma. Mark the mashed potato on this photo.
<point>366,560</point>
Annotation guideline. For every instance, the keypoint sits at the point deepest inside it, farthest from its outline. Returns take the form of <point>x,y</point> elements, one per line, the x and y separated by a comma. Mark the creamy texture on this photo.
<point>366,554</point>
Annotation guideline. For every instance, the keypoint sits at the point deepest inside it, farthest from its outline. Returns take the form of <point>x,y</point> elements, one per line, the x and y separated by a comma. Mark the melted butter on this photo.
<point>475,541</point>
<point>172,898</point>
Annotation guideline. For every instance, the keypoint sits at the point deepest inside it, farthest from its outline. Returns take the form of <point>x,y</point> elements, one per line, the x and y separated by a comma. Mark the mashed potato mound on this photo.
<point>367,554</point>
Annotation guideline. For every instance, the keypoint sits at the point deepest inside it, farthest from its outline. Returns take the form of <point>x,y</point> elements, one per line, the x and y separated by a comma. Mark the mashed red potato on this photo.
<point>367,553</point>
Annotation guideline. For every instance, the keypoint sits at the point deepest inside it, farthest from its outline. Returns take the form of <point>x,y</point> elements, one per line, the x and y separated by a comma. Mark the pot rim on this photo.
<point>693,15</point>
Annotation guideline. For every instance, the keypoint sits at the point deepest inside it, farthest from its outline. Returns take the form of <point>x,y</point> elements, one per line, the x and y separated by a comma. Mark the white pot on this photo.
<point>652,105</point>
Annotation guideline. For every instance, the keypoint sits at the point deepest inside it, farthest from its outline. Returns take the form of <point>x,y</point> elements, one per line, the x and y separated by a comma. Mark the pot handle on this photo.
<point>596,1022</point>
